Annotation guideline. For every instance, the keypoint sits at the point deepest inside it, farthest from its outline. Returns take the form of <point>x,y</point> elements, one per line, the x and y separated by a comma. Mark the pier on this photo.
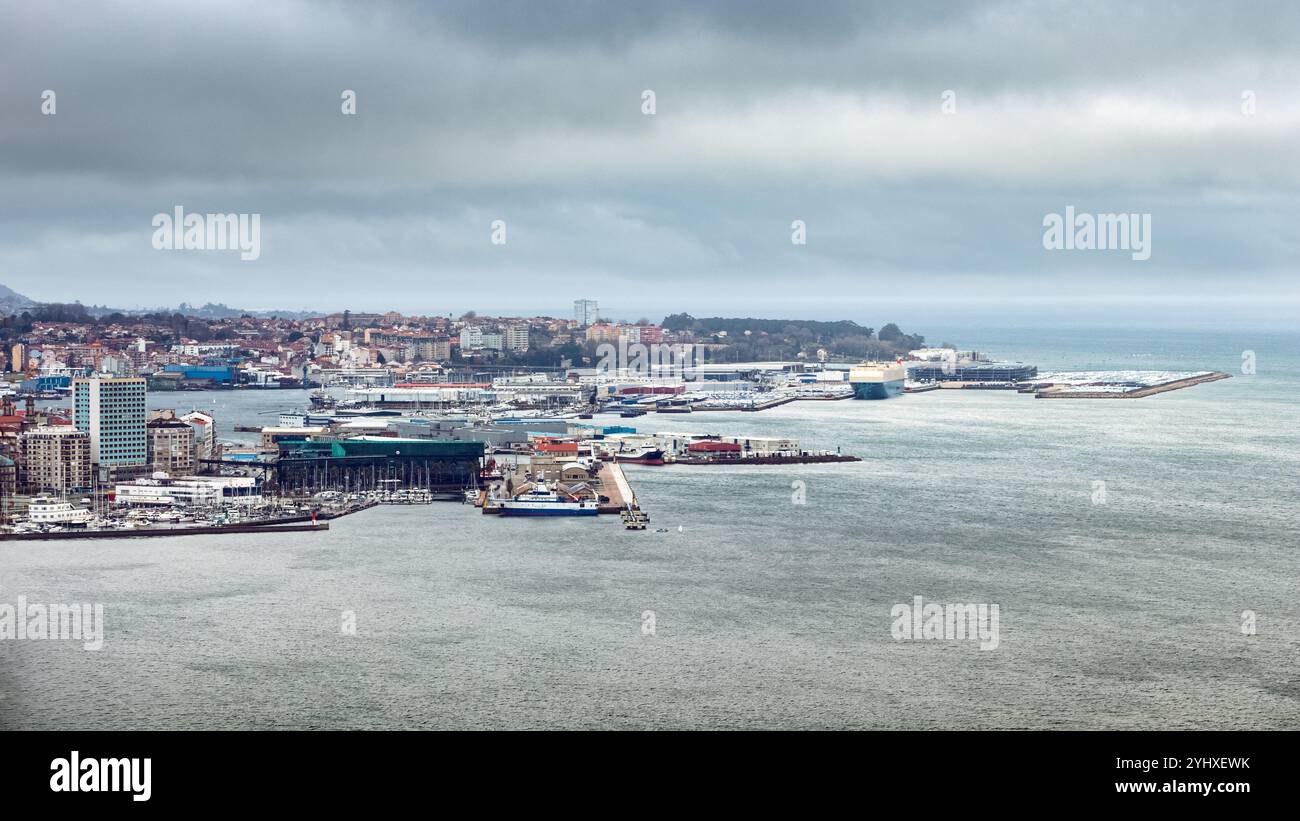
<point>1056,392</point>
<point>303,523</point>
<point>796,459</point>
<point>609,485</point>
<point>614,485</point>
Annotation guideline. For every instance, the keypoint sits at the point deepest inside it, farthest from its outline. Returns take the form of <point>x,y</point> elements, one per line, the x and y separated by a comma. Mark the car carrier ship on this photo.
<point>877,380</point>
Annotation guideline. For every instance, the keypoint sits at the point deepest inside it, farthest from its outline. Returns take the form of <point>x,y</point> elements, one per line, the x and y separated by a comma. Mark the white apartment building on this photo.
<point>516,338</point>
<point>205,436</point>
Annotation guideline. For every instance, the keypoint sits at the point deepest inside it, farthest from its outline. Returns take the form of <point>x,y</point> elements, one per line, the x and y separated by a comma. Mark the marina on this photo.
<point>90,527</point>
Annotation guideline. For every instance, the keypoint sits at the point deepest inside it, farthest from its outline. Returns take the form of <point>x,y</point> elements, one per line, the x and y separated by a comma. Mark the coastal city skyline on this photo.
<point>902,366</point>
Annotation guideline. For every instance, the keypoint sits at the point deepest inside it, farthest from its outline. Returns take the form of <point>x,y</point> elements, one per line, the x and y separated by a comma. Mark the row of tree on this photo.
<point>759,339</point>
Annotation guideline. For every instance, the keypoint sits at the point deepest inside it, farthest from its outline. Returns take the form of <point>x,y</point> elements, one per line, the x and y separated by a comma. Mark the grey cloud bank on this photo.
<point>530,113</point>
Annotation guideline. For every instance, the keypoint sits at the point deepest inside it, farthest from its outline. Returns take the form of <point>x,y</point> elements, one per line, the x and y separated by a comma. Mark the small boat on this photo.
<point>542,501</point>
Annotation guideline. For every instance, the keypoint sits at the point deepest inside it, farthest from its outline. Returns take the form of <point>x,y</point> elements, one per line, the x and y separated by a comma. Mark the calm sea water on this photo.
<point>767,613</point>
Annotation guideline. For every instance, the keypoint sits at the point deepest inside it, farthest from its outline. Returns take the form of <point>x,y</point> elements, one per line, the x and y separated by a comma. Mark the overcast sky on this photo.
<point>766,113</point>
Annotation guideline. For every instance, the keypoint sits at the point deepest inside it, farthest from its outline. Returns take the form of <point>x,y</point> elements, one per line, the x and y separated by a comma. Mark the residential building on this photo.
<point>171,445</point>
<point>18,357</point>
<point>651,334</point>
<point>8,479</point>
<point>205,437</point>
<point>471,338</point>
<point>56,459</point>
<point>516,338</point>
<point>602,333</point>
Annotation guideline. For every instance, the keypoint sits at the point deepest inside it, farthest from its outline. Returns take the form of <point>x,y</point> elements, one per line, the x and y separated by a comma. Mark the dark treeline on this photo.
<point>761,339</point>
<point>169,326</point>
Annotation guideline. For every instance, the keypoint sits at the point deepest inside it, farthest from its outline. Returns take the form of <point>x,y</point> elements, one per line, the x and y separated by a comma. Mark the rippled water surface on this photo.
<point>767,613</point>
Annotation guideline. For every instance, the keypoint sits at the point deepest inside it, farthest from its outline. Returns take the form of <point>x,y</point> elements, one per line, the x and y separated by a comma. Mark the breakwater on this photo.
<point>132,533</point>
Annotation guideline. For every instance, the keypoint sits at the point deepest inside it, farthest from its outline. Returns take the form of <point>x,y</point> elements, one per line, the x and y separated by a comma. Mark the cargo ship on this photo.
<point>877,380</point>
<point>647,456</point>
<point>542,501</point>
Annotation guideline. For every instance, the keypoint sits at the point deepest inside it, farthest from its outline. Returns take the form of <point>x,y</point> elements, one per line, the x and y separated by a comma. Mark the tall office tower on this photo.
<point>112,412</point>
<point>585,311</point>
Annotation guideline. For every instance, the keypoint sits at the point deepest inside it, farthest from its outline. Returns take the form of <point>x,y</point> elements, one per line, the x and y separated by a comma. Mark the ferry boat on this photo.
<point>877,380</point>
<point>542,501</point>
<point>648,456</point>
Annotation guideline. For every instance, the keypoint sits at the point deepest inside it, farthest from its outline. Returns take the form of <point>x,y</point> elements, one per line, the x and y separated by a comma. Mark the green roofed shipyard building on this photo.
<point>365,463</point>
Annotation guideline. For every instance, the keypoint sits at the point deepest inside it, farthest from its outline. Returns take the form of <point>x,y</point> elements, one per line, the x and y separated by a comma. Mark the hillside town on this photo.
<point>85,409</point>
<point>46,345</point>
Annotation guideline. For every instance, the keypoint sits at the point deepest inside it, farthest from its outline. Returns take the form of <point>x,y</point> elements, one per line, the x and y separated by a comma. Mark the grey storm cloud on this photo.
<point>531,113</point>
